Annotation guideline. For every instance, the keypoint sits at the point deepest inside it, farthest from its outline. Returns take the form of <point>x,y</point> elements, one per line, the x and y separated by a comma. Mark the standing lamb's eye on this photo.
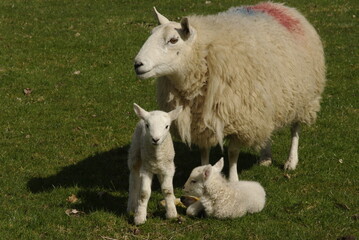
<point>167,126</point>
<point>173,40</point>
<point>147,126</point>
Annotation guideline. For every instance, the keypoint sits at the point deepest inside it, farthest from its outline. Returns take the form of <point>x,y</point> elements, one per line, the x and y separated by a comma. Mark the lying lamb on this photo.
<point>151,152</point>
<point>220,198</point>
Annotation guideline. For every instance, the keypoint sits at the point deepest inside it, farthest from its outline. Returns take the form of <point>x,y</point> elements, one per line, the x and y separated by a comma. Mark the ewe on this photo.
<point>151,152</point>
<point>220,198</point>
<point>240,75</point>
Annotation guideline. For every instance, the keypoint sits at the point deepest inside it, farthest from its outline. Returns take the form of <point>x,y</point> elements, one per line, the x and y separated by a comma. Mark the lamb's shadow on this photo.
<point>103,177</point>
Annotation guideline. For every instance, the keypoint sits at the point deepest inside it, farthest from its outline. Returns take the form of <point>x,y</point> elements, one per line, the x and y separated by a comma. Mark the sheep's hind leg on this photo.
<point>204,155</point>
<point>167,191</point>
<point>233,154</point>
<point>145,193</point>
<point>266,155</point>
<point>293,154</point>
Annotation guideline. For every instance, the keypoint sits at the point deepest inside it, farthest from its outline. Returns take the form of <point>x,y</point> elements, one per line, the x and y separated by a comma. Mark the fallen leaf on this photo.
<point>74,212</point>
<point>72,199</point>
<point>77,72</point>
<point>136,231</point>
<point>27,91</point>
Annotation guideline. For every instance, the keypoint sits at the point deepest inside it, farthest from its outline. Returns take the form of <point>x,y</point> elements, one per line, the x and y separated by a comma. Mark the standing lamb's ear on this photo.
<point>161,19</point>
<point>175,113</point>
<point>140,112</point>
<point>207,171</point>
<point>219,165</point>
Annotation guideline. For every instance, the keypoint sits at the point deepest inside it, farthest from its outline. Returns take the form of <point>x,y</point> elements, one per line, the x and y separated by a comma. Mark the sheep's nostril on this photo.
<point>155,140</point>
<point>138,64</point>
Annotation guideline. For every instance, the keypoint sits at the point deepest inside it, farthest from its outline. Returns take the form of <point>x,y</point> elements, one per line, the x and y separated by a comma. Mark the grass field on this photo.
<point>69,133</point>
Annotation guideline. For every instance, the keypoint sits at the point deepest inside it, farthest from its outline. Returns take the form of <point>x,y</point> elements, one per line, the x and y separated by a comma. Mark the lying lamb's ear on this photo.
<point>219,165</point>
<point>186,30</point>
<point>207,171</point>
<point>140,112</point>
<point>175,113</point>
<point>161,19</point>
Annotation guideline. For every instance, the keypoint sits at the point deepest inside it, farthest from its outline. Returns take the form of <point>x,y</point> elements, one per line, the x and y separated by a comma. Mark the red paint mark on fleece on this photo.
<point>279,13</point>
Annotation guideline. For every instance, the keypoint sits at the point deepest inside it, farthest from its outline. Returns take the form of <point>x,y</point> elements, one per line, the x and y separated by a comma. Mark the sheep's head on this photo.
<point>157,123</point>
<point>195,184</point>
<point>166,49</point>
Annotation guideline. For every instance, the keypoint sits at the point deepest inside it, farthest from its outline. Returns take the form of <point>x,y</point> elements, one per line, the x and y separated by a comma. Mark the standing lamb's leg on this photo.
<point>145,193</point>
<point>134,190</point>
<point>266,155</point>
<point>293,154</point>
<point>233,154</point>
<point>204,155</point>
<point>167,191</point>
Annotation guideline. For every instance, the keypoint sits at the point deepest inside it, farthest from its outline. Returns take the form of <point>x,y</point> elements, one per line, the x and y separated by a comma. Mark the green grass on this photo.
<point>71,134</point>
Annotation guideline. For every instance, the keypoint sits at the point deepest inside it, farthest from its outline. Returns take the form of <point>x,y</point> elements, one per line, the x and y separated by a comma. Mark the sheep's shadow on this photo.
<point>103,177</point>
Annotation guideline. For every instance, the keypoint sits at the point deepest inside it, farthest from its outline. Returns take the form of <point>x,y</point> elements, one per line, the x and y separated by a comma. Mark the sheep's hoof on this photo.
<point>289,166</point>
<point>265,162</point>
<point>171,215</point>
<point>139,220</point>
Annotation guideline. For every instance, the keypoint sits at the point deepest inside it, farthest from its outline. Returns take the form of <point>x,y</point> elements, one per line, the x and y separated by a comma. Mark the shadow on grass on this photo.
<point>102,174</point>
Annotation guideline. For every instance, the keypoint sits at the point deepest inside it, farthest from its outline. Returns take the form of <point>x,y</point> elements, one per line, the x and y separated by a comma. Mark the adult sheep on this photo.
<point>239,74</point>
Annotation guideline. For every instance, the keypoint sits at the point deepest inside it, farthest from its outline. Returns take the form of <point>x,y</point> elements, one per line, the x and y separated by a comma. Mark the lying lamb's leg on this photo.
<point>145,193</point>
<point>194,209</point>
<point>167,191</point>
<point>204,155</point>
<point>134,190</point>
<point>233,154</point>
<point>266,155</point>
<point>293,154</point>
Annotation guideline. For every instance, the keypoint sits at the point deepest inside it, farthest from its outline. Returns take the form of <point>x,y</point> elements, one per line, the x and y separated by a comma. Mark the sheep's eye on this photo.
<point>167,126</point>
<point>193,181</point>
<point>147,126</point>
<point>173,40</point>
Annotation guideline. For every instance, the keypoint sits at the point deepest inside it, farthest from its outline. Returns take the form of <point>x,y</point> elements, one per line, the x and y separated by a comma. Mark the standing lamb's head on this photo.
<point>196,182</point>
<point>157,123</point>
<point>166,49</point>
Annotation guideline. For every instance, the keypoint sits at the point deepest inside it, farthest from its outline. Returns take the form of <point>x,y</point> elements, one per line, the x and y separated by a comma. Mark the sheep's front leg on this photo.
<point>266,155</point>
<point>167,191</point>
<point>134,190</point>
<point>233,154</point>
<point>145,193</point>
<point>194,209</point>
<point>292,161</point>
<point>204,155</point>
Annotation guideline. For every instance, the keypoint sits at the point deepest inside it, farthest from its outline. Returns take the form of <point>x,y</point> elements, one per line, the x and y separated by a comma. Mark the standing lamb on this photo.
<point>240,75</point>
<point>220,198</point>
<point>151,152</point>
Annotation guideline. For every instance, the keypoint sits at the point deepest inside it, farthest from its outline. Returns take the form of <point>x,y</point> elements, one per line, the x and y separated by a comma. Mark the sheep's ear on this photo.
<point>161,19</point>
<point>175,113</point>
<point>140,112</point>
<point>186,30</point>
<point>219,165</point>
<point>207,172</point>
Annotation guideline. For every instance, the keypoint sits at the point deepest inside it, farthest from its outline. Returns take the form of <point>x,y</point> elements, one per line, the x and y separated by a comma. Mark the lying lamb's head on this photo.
<point>196,181</point>
<point>166,49</point>
<point>157,123</point>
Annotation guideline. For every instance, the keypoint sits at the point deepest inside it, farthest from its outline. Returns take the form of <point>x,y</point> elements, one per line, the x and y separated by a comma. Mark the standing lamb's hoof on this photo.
<point>265,162</point>
<point>289,165</point>
<point>171,215</point>
<point>139,219</point>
